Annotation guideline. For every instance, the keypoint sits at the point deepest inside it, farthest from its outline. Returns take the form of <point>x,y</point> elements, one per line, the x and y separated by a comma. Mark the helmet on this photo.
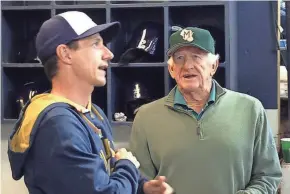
<point>136,96</point>
<point>28,91</point>
<point>145,45</point>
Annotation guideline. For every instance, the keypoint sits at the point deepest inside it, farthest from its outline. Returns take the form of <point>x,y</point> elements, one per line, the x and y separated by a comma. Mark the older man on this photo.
<point>204,138</point>
<point>62,143</point>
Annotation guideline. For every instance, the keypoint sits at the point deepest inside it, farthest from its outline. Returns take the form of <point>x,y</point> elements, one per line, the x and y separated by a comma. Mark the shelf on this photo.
<point>8,121</point>
<point>79,6</point>
<point>97,15</point>
<point>132,87</point>
<point>25,5</point>
<point>143,4</point>
<point>16,82</point>
<point>36,7</point>
<point>138,34</point>
<point>194,3</point>
<point>29,5</point>
<point>149,68</point>
<point>86,3</point>
<point>28,65</point>
<point>139,65</point>
<point>118,123</point>
<point>21,65</point>
<point>223,64</point>
<point>19,29</point>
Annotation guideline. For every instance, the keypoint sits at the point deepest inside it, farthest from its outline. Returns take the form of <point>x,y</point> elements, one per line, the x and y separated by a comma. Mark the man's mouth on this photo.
<point>104,68</point>
<point>189,76</point>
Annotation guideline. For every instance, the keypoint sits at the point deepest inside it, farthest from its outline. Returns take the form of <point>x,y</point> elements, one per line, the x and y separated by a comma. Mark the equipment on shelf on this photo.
<point>136,96</point>
<point>145,45</point>
<point>28,91</point>
<point>31,88</point>
<point>119,116</point>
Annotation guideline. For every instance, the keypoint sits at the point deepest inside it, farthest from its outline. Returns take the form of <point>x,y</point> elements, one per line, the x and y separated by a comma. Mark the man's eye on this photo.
<point>179,57</point>
<point>197,57</point>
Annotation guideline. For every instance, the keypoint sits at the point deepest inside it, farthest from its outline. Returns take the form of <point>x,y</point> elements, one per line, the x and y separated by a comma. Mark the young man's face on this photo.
<point>90,60</point>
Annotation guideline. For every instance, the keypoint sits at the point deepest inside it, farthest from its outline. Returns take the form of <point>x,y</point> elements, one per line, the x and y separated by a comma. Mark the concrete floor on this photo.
<point>10,186</point>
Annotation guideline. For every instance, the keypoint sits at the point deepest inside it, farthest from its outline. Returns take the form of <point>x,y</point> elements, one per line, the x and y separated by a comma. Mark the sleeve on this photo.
<point>266,169</point>
<point>142,179</point>
<point>139,147</point>
<point>70,166</point>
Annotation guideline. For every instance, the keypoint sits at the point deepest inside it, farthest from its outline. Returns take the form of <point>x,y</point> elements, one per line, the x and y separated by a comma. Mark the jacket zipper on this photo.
<point>199,123</point>
<point>199,130</point>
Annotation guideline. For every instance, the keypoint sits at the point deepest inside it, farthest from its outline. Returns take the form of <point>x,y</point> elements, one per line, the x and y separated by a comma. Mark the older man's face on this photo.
<point>191,68</point>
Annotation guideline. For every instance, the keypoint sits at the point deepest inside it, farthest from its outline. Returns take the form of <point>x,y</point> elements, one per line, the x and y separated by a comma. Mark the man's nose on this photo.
<point>108,55</point>
<point>189,64</point>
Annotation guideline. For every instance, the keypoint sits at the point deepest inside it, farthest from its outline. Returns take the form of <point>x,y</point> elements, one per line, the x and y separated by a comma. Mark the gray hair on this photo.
<point>212,58</point>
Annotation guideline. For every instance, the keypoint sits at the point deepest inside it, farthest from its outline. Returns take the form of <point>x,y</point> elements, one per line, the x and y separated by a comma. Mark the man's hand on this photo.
<point>157,186</point>
<point>124,154</point>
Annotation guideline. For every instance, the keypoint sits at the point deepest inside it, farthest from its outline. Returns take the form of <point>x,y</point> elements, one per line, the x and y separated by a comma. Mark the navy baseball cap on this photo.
<point>70,26</point>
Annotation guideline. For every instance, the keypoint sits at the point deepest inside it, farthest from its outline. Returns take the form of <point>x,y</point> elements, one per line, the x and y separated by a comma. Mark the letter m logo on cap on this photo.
<point>187,35</point>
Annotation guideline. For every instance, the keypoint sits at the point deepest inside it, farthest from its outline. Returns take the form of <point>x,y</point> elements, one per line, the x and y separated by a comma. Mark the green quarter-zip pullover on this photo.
<point>179,101</point>
<point>228,150</point>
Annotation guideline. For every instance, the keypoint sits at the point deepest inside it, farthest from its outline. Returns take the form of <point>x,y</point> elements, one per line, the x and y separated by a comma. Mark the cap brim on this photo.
<point>108,31</point>
<point>131,55</point>
<point>178,46</point>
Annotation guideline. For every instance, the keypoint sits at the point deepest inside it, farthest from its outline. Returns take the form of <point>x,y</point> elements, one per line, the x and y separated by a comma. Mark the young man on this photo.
<point>62,143</point>
<point>205,138</point>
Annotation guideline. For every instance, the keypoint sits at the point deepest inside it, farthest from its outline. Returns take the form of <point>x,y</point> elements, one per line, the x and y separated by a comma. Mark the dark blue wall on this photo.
<point>256,51</point>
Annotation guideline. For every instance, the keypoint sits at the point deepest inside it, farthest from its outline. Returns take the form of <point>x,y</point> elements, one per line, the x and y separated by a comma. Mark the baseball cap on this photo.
<point>145,45</point>
<point>69,26</point>
<point>191,36</point>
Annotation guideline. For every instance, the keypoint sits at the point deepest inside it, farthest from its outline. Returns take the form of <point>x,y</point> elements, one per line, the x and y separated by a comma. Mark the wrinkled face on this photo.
<point>191,68</point>
<point>90,60</point>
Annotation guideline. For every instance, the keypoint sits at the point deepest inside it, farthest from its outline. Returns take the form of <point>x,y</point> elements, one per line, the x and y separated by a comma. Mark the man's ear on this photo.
<point>214,67</point>
<point>63,54</point>
<point>170,67</point>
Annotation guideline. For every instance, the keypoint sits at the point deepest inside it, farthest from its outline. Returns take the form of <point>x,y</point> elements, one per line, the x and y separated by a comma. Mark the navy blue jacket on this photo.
<point>58,152</point>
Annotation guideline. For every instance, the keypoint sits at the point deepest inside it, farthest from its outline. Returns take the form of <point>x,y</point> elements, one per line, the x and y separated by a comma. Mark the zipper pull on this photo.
<point>199,132</point>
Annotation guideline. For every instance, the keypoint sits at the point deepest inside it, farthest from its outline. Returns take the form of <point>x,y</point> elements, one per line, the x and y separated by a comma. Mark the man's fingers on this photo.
<point>159,186</point>
<point>159,182</point>
<point>161,178</point>
<point>163,187</point>
<point>156,183</point>
<point>169,189</point>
